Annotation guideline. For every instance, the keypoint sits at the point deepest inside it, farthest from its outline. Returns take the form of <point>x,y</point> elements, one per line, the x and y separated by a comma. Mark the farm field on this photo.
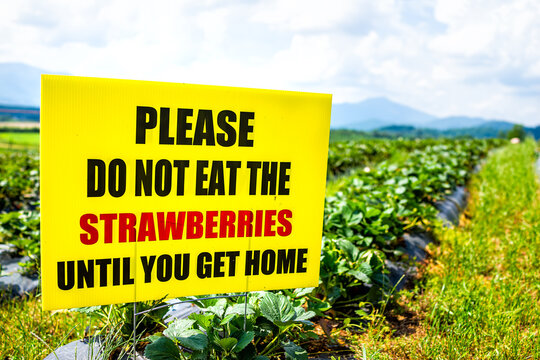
<point>19,140</point>
<point>474,297</point>
<point>478,298</point>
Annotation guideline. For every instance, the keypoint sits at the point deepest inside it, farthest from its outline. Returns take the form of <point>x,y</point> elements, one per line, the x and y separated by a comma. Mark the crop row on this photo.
<point>366,219</point>
<point>364,222</point>
<point>346,155</point>
<point>19,196</point>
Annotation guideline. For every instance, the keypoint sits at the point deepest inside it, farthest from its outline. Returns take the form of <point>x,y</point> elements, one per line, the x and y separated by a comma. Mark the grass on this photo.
<point>18,140</point>
<point>479,297</point>
<point>29,333</point>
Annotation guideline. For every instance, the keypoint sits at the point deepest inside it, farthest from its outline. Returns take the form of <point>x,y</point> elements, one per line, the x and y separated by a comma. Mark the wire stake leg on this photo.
<point>134,331</point>
<point>245,310</point>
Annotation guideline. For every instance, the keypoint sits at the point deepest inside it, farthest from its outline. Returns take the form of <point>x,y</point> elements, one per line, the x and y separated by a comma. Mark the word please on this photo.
<point>148,226</point>
<point>204,120</point>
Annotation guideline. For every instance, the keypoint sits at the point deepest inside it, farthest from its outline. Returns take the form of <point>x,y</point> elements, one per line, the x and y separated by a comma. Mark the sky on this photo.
<point>444,57</point>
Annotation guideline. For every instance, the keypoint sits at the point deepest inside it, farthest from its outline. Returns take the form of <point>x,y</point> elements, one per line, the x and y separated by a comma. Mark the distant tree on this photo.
<point>517,131</point>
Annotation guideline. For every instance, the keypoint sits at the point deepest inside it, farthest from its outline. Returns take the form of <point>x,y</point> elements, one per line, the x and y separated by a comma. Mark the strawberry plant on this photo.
<point>348,272</point>
<point>21,228</point>
<point>367,217</point>
<point>222,332</point>
<point>19,180</point>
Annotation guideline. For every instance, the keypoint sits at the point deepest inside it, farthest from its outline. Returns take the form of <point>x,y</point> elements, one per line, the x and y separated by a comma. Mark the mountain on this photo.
<point>376,112</point>
<point>20,84</point>
<point>535,131</point>
<point>381,113</point>
<point>20,87</point>
<point>366,125</point>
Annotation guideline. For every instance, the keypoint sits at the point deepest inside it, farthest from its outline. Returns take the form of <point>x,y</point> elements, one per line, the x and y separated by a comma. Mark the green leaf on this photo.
<point>162,349</point>
<point>199,355</point>
<point>303,316</point>
<point>178,327</point>
<point>154,337</point>
<point>193,339</point>
<point>277,308</point>
<point>355,219</point>
<point>218,308</point>
<point>349,249</point>
<point>371,212</point>
<point>227,343</point>
<point>302,291</point>
<point>360,276</point>
<point>244,340</point>
<point>293,351</point>
<point>190,338</point>
<point>333,294</point>
<point>308,335</point>
<point>347,212</point>
<point>365,268</point>
<point>204,320</point>
<point>239,309</point>
<point>342,267</point>
<point>227,319</point>
<point>319,306</point>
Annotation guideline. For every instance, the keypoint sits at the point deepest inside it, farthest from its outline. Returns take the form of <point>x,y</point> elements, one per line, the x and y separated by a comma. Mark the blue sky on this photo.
<point>446,57</point>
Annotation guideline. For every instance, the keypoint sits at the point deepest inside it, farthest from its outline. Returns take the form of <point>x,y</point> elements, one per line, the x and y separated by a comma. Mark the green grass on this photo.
<point>480,296</point>
<point>19,139</point>
<point>27,332</point>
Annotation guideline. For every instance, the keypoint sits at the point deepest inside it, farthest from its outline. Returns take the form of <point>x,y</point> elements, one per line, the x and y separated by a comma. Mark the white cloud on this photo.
<point>306,15</point>
<point>447,57</point>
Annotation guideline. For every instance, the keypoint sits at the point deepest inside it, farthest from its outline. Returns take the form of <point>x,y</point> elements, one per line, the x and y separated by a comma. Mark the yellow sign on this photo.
<point>153,189</point>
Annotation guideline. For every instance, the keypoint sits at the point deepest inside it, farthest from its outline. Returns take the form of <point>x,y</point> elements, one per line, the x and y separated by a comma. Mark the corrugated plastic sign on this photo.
<point>153,189</point>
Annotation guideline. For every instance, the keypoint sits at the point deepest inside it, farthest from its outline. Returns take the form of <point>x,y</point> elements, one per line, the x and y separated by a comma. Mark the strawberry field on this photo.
<point>379,192</point>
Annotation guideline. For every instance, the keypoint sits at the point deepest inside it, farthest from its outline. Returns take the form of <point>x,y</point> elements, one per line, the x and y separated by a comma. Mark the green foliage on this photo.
<point>19,197</point>
<point>278,309</point>
<point>345,155</point>
<point>162,348</point>
<point>219,331</point>
<point>368,215</point>
<point>345,267</point>
<point>19,180</point>
<point>364,222</point>
<point>21,228</point>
